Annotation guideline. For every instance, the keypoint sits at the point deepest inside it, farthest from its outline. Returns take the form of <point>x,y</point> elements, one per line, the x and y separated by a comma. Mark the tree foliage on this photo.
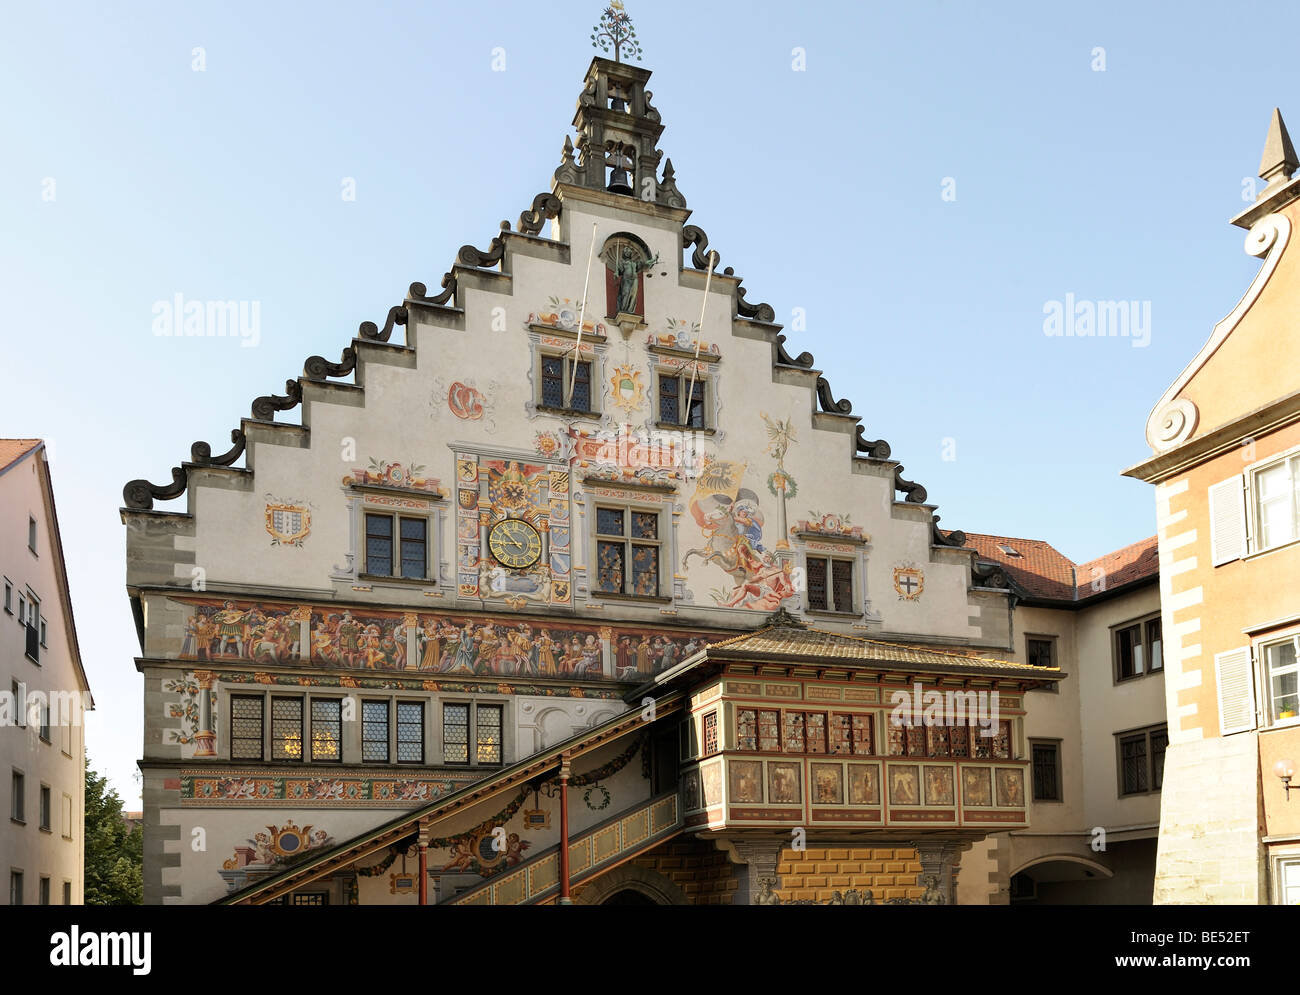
<point>114,855</point>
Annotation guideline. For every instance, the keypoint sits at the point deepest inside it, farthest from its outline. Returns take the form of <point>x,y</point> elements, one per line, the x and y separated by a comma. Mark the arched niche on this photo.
<point>626,260</point>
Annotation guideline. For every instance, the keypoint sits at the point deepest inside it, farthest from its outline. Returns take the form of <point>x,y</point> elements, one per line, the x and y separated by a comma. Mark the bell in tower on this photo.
<point>619,164</point>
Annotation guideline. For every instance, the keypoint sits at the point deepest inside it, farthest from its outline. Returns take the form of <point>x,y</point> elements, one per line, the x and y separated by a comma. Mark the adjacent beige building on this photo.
<point>44,693</point>
<point>1225,464</point>
<point>1095,740</point>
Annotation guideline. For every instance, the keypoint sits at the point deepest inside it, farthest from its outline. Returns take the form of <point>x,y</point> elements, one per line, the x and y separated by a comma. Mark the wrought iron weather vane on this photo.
<point>614,30</point>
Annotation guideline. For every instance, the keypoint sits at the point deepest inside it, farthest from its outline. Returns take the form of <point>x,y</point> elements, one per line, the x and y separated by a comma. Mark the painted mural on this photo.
<point>201,788</point>
<point>681,335</point>
<point>187,708</point>
<point>731,519</point>
<point>266,852</point>
<point>244,631</point>
<point>563,313</point>
<point>830,525</point>
<point>491,490</point>
<point>407,476</point>
<point>442,644</point>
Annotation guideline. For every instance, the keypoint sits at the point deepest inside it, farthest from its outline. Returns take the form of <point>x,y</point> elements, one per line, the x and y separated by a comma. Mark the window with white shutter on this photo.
<point>1228,520</point>
<point>1236,683</point>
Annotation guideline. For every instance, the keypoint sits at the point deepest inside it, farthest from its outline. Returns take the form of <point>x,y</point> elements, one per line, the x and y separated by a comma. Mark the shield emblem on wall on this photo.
<point>287,524</point>
<point>628,390</point>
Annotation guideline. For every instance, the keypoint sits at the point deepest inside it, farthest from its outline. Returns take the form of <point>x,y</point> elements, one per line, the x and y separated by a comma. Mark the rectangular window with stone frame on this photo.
<point>374,732</point>
<point>286,728</point>
<point>410,732</point>
<point>830,584</point>
<point>246,722</point>
<point>566,384</point>
<point>628,545</point>
<point>682,400</point>
<point>1141,756</point>
<point>400,540</point>
<point>1045,760</point>
<point>1138,649</point>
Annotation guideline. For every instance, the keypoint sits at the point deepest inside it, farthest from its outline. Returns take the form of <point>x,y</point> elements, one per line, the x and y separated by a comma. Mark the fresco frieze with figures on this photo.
<point>434,644</point>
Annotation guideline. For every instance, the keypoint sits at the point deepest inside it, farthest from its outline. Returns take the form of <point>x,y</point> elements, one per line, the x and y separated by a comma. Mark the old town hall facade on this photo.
<point>569,581</point>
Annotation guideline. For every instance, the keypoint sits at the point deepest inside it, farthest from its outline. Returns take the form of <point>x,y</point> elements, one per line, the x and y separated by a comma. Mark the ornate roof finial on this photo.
<point>615,29</point>
<point>1279,160</point>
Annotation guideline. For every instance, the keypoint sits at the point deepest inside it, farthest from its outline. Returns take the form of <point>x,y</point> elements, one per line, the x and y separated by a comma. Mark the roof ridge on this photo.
<point>890,645</point>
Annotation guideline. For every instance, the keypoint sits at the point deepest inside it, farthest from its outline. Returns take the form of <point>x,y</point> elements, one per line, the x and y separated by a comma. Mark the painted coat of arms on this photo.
<point>909,581</point>
<point>288,524</point>
<point>628,390</point>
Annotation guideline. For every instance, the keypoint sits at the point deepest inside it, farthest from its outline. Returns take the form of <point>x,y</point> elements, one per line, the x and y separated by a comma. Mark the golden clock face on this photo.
<point>515,543</point>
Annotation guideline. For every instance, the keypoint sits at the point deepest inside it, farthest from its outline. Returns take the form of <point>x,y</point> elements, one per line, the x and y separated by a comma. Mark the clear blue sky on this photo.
<point>822,187</point>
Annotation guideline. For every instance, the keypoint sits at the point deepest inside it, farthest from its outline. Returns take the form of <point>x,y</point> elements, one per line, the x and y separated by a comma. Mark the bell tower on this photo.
<point>617,126</point>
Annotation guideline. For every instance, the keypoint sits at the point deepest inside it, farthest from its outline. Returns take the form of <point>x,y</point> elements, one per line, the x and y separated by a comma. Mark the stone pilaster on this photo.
<point>939,860</point>
<point>205,737</point>
<point>761,858</point>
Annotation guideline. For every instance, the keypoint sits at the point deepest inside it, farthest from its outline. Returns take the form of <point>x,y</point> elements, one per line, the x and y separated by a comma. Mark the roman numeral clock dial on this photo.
<point>515,544</point>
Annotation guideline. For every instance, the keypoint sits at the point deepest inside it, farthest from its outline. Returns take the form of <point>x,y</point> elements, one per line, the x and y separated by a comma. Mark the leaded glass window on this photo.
<point>246,727</point>
<point>455,733</point>
<point>286,728</point>
<point>488,734</point>
<point>410,732</point>
<point>326,729</point>
<point>374,731</point>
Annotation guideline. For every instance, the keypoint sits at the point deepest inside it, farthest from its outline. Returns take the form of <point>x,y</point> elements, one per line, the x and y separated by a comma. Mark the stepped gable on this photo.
<point>583,167</point>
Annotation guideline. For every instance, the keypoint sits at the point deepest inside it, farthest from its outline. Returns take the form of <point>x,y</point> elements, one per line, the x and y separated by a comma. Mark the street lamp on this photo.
<point>1285,769</point>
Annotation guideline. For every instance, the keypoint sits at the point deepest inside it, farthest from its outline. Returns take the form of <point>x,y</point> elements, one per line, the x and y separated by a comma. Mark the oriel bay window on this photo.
<point>803,732</point>
<point>710,734</point>
<point>830,584</point>
<point>627,552</point>
<point>558,372</point>
<point>758,730</point>
<point>960,741</point>
<point>763,730</point>
<point>397,539</point>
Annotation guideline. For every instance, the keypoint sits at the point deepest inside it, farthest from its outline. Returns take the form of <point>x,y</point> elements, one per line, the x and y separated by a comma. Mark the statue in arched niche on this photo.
<point>626,261</point>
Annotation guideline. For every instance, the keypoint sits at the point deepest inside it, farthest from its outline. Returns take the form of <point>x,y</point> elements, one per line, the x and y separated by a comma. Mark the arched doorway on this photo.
<point>629,896</point>
<point>631,885</point>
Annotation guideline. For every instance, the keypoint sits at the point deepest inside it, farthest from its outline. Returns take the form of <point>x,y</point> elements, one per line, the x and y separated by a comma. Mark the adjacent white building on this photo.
<point>44,693</point>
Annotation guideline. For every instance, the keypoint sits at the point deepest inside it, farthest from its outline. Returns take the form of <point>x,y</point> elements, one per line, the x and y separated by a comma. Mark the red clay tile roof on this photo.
<point>12,450</point>
<point>1044,572</point>
<point>1041,570</point>
<point>1124,566</point>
